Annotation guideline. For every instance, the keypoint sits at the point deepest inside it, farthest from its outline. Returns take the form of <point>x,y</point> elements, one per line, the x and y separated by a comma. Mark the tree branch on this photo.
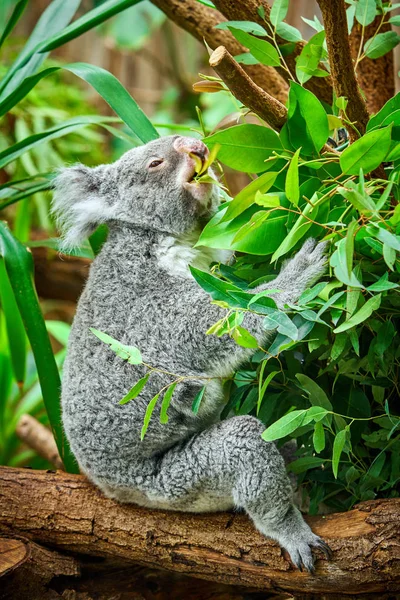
<point>341,63</point>
<point>39,438</point>
<point>246,91</point>
<point>68,513</point>
<point>248,11</point>
<point>200,21</point>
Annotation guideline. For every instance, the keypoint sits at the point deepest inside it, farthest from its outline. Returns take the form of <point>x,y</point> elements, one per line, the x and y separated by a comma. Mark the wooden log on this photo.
<point>26,568</point>
<point>69,513</point>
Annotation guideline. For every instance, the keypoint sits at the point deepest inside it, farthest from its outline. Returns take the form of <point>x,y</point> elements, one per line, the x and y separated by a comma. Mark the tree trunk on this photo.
<point>68,513</point>
<point>375,77</point>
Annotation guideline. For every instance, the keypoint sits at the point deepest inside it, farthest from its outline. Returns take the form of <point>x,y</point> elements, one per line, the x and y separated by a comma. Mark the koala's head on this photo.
<point>150,187</point>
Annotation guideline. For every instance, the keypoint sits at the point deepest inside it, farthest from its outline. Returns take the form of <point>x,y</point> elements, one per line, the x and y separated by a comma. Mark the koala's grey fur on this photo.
<point>140,292</point>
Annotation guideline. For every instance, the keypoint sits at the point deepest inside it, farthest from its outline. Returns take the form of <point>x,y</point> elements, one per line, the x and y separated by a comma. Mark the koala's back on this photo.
<point>138,304</point>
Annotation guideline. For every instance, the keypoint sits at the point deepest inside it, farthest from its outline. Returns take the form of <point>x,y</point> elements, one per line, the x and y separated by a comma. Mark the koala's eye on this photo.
<point>155,163</point>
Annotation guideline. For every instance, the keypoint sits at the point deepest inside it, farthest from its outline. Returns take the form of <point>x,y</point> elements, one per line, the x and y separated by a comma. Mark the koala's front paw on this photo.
<point>308,265</point>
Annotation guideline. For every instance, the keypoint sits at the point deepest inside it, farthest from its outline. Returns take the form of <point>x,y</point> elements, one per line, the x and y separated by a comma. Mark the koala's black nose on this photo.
<point>201,153</point>
<point>191,146</point>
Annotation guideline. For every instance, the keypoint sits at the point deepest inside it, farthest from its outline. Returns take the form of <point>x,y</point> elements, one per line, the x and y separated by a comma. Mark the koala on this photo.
<point>140,292</point>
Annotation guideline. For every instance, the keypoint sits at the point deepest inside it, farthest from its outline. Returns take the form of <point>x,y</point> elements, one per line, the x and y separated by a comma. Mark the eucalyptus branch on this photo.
<point>249,11</point>
<point>341,63</point>
<point>245,90</point>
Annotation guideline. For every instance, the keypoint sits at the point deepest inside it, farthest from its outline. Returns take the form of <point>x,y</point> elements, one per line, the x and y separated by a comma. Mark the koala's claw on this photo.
<point>301,554</point>
<point>321,545</point>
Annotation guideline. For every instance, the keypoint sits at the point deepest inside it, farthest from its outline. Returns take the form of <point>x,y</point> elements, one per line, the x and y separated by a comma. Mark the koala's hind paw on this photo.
<point>300,552</point>
<point>296,537</point>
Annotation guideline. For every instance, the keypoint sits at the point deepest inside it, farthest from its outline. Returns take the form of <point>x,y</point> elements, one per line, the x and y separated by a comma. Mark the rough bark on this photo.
<point>375,77</point>
<point>68,513</point>
<point>248,11</point>
<point>36,567</point>
<point>200,22</point>
<point>245,90</point>
<point>341,63</point>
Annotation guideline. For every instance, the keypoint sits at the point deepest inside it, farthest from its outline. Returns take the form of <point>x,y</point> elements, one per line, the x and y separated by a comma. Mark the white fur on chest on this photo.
<point>175,254</point>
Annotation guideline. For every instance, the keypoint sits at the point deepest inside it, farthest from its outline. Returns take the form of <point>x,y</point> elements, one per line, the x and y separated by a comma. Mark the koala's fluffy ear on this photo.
<point>80,202</point>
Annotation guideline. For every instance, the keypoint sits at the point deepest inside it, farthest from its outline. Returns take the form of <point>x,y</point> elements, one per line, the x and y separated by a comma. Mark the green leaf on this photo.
<point>262,387</point>
<point>299,229</point>
<point>307,125</point>
<point>382,284</point>
<point>319,437</point>
<point>244,338</point>
<point>197,400</point>
<point>135,391</point>
<point>365,11</point>
<point>166,402</point>
<point>279,320</point>
<point>360,316</point>
<point>292,180</point>
<point>248,228</point>
<point>349,245</point>
<point>308,60</point>
<point>149,411</point>
<point>279,11</point>
<point>88,21</point>
<point>56,16</point>
<point>245,197</point>
<point>128,353</point>
<point>14,326</point>
<point>260,49</point>
<point>338,446</point>
<point>245,147</point>
<point>289,33</point>
<point>384,236</point>
<point>316,394</point>
<point>219,290</point>
<point>381,44</point>
<point>247,26</point>
<point>19,265</point>
<point>366,153</point>
<point>246,58</point>
<point>267,200</point>
<point>284,426</point>
<point>304,464</point>
<point>109,88</point>
<point>13,20</point>
<point>362,202</point>
<point>340,262</point>
<point>314,413</point>
<point>334,122</point>
<point>390,107</point>
<point>218,234</point>
<point>389,256</point>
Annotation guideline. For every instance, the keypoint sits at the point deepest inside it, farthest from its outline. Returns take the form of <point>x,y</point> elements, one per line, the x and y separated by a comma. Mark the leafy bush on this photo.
<point>329,379</point>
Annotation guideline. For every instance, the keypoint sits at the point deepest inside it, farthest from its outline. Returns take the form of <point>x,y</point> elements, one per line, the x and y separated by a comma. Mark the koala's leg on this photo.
<point>230,460</point>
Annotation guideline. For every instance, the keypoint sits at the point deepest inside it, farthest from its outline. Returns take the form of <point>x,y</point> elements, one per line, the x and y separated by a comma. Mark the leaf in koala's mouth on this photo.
<point>201,167</point>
